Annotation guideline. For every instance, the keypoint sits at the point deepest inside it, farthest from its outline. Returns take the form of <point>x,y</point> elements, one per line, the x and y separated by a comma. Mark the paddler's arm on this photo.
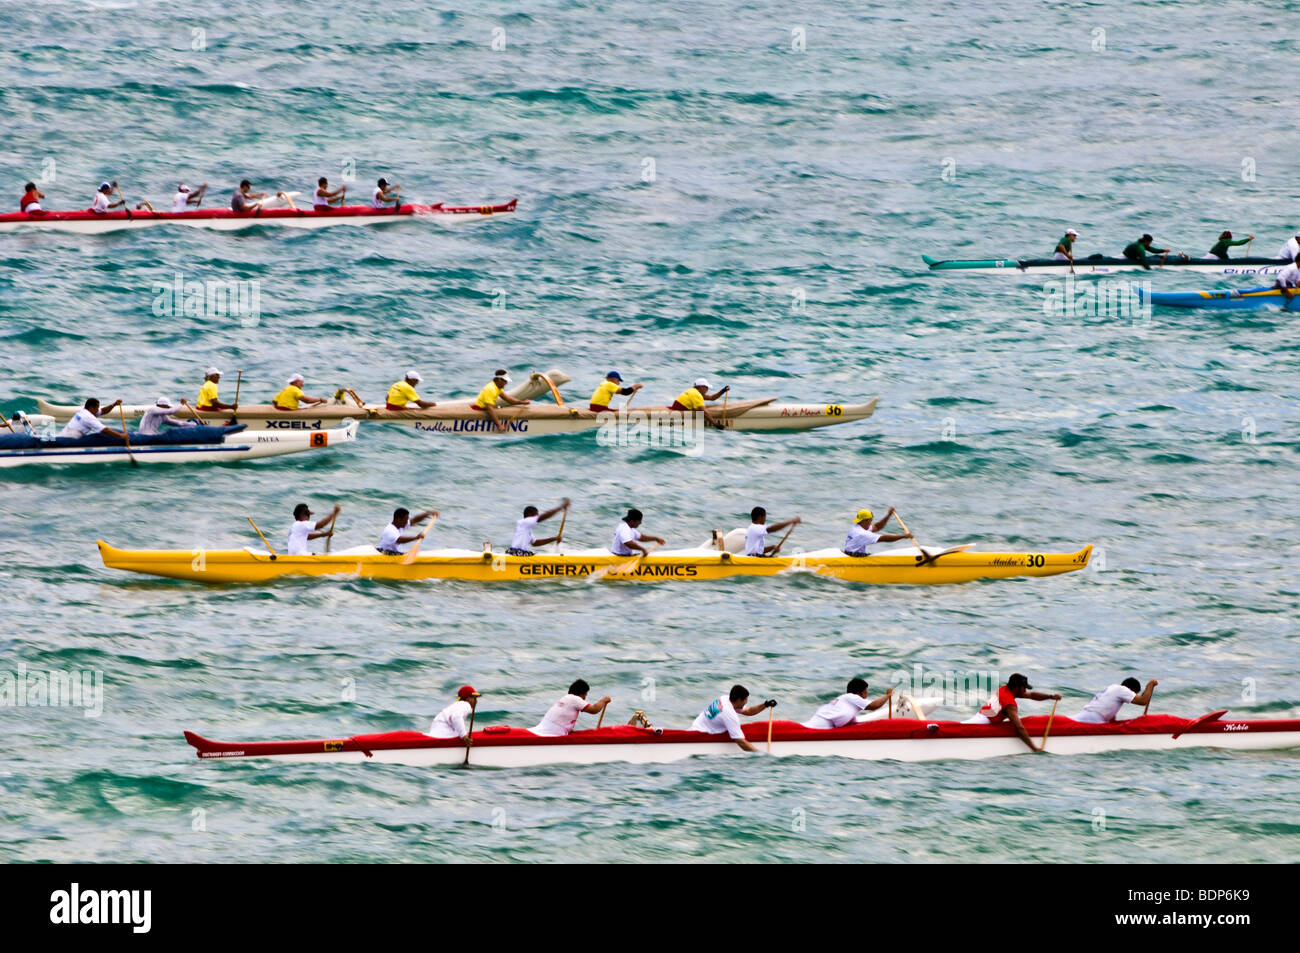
<point>1145,698</point>
<point>720,392</point>
<point>554,510</point>
<point>597,706</point>
<point>425,404</point>
<point>761,706</point>
<point>514,401</point>
<point>1043,696</point>
<point>1013,716</point>
<point>872,706</point>
<point>113,406</point>
<point>320,523</point>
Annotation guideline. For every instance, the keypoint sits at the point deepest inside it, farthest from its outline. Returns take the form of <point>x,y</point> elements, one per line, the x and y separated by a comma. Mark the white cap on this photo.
<point>1070,231</point>
<point>165,403</point>
<point>210,371</point>
<point>701,382</point>
<point>502,373</point>
<point>297,379</point>
<point>182,187</point>
<point>412,375</point>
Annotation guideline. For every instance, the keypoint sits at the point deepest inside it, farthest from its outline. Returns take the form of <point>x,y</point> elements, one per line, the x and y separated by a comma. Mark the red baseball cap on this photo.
<point>466,691</point>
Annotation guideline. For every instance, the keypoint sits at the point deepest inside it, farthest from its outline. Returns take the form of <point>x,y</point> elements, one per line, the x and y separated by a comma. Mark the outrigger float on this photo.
<point>181,445</point>
<point>894,739</point>
<point>458,418</point>
<point>1247,299</point>
<point>908,566</point>
<point>1101,265</point>
<point>227,220</point>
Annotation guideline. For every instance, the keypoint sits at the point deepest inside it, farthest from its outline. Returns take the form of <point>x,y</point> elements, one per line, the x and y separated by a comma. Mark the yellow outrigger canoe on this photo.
<point>893,567</point>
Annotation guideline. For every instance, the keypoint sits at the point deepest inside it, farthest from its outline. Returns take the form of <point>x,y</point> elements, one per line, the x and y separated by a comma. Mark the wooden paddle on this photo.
<point>469,735</point>
<point>1043,746</point>
<point>927,557</point>
<point>329,538</point>
<point>623,568</point>
<point>5,421</point>
<point>202,422</point>
<point>234,413</point>
<point>259,533</point>
<point>415,549</point>
<point>125,208</point>
<point>601,718</point>
<point>725,395</point>
<point>560,534</point>
<point>126,436</point>
<point>771,713</point>
<point>784,538</point>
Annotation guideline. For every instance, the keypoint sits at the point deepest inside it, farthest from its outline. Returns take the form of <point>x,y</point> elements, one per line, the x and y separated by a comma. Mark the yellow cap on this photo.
<point>862,515</point>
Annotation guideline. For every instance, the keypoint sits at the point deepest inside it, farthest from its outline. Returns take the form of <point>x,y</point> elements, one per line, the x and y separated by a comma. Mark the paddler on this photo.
<point>864,534</point>
<point>1140,250</point>
<point>245,199</point>
<point>402,394</point>
<point>693,398</point>
<point>1065,248</point>
<point>160,414</point>
<point>562,717</point>
<point>1226,241</point>
<point>494,391</point>
<point>611,385</point>
<point>31,200</point>
<point>757,533</point>
<point>722,716</point>
<point>395,535</point>
<point>304,530</point>
<point>844,709</point>
<point>1003,706</point>
<point>1105,705</point>
<point>292,395</point>
<point>628,536</point>
<point>1288,279</point>
<point>209,393</point>
<point>525,538</point>
<point>102,202</point>
<point>186,196</point>
<point>325,198</point>
<point>86,421</point>
<point>384,193</point>
<point>451,721</point>
<point>1292,248</point>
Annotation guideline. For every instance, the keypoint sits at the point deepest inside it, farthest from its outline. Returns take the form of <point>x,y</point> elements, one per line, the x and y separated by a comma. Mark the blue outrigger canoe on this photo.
<point>1247,299</point>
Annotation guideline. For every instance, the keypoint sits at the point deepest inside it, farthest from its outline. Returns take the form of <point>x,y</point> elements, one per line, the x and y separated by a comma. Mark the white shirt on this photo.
<point>837,713</point>
<point>718,718</point>
<point>153,419</point>
<point>859,539</point>
<point>1105,705</point>
<point>1289,277</point>
<point>622,536</point>
<point>180,201</point>
<point>1290,250</point>
<point>298,534</point>
<point>99,203</point>
<point>82,424</point>
<point>377,199</point>
<point>755,539</point>
<point>524,534</point>
<point>389,537</point>
<point>561,717</point>
<point>450,722</point>
<point>318,200</point>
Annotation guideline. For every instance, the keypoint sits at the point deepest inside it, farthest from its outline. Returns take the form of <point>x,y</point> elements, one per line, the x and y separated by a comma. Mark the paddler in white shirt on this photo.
<point>292,395</point>
<point>395,535</point>
<point>325,198</point>
<point>1289,251</point>
<point>757,533</point>
<point>186,196</point>
<point>1003,706</point>
<point>1288,279</point>
<point>722,716</point>
<point>304,530</point>
<point>495,391</point>
<point>562,717</point>
<point>525,538</point>
<point>451,722</point>
<point>160,414</point>
<point>628,536</point>
<point>864,534</point>
<point>385,193</point>
<point>844,710</point>
<point>102,202</point>
<point>86,421</point>
<point>1105,705</point>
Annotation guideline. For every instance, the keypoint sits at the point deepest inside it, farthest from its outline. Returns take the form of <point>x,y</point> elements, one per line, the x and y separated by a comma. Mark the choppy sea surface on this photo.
<point>736,190</point>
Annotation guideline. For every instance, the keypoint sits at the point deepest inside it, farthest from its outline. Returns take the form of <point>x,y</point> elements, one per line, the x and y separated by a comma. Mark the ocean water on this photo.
<point>737,190</point>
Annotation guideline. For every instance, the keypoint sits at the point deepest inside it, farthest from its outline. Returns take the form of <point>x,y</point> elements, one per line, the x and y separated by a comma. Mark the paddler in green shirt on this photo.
<point>1065,248</point>
<point>1140,249</point>
<point>1226,241</point>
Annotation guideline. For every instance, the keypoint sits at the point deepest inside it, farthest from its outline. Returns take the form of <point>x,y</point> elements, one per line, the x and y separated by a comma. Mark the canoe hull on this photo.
<point>1086,267</point>
<point>1247,299</point>
<point>227,220</point>
<point>245,566</point>
<point>894,739</point>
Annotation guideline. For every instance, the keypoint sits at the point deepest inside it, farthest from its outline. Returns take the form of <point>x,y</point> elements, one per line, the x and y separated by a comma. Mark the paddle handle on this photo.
<point>4,420</point>
<point>771,714</point>
<point>202,422</point>
<point>601,718</point>
<point>469,735</point>
<point>330,538</point>
<point>1049,724</point>
<point>239,379</point>
<point>121,415</point>
<point>783,539</point>
<point>563,517</point>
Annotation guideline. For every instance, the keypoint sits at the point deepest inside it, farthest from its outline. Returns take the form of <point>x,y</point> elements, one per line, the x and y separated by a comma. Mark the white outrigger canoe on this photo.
<point>1099,265</point>
<point>895,739</point>
<point>459,418</point>
<point>85,222</point>
<point>182,445</point>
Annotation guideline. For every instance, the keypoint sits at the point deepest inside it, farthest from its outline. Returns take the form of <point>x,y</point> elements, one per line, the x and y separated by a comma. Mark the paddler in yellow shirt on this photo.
<point>495,390</point>
<point>292,395</point>
<point>208,393</point>
<point>611,385</point>
<point>402,394</point>
<point>693,398</point>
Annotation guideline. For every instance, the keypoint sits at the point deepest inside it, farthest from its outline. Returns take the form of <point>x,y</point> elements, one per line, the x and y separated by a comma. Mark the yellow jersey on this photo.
<point>488,396</point>
<point>691,399</point>
<point>208,395</point>
<point>401,394</point>
<point>605,393</point>
<point>288,398</point>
